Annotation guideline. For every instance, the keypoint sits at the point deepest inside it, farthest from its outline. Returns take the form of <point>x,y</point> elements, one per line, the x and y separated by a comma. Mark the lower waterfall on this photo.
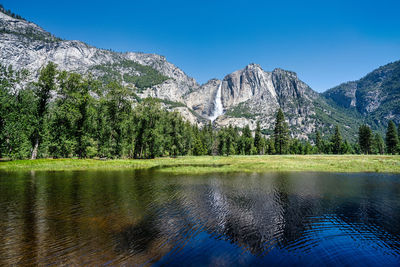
<point>218,108</point>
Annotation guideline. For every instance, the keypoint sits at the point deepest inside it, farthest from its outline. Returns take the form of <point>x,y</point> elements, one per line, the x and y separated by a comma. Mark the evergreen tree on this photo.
<point>391,138</point>
<point>318,142</point>
<point>222,142</point>
<point>398,137</point>
<point>176,130</point>
<point>230,139</point>
<point>308,148</point>
<point>258,139</point>
<point>247,140</point>
<point>281,133</point>
<point>295,147</point>
<point>378,144</point>
<point>345,148</point>
<point>188,138</point>
<point>336,141</point>
<point>270,146</point>
<point>208,138</point>
<point>198,149</point>
<point>262,146</point>
<point>398,131</point>
<point>198,146</point>
<point>365,139</point>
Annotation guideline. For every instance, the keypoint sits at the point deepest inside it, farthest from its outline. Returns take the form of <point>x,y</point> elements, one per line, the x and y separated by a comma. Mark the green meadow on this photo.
<point>210,164</point>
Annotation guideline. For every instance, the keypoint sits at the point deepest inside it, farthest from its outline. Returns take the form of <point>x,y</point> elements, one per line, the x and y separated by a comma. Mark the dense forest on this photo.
<point>66,114</point>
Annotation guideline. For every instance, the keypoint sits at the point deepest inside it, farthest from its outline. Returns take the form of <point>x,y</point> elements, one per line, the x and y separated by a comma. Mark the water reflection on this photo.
<point>134,218</point>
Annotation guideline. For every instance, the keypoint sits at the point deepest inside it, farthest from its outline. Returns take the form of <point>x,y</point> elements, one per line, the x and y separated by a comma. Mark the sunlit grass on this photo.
<point>206,164</point>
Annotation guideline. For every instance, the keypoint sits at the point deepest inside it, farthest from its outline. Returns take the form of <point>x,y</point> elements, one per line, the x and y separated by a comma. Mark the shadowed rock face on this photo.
<point>202,99</point>
<point>344,94</point>
<point>375,96</point>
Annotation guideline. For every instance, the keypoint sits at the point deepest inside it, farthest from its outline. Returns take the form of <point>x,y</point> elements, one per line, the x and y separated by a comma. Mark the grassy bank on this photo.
<point>205,164</point>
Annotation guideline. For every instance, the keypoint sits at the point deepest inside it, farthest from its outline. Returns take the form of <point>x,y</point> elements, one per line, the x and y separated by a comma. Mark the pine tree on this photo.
<point>222,142</point>
<point>345,148</point>
<point>308,149</point>
<point>258,139</point>
<point>398,137</point>
<point>230,140</point>
<point>262,146</point>
<point>391,138</point>
<point>336,141</point>
<point>247,141</point>
<point>281,133</point>
<point>318,142</point>
<point>378,144</point>
<point>208,138</point>
<point>365,139</point>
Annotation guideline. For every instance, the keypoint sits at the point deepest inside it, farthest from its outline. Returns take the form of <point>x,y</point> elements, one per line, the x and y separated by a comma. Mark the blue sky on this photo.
<point>325,42</point>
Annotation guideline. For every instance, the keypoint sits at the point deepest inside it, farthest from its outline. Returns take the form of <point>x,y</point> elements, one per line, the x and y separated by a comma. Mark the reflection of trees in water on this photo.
<point>269,213</point>
<point>29,245</point>
<point>267,219</point>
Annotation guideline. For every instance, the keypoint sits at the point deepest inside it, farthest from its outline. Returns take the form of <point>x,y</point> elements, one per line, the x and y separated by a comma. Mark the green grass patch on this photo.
<point>209,164</point>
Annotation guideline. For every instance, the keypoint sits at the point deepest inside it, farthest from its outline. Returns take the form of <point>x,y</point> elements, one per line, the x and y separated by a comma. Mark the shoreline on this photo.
<point>220,164</point>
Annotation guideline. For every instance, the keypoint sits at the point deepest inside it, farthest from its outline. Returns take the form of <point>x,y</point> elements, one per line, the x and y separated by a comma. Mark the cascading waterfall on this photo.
<point>218,108</point>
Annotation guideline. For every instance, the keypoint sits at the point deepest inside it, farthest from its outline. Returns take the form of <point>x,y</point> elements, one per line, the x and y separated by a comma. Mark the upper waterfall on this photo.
<point>218,108</point>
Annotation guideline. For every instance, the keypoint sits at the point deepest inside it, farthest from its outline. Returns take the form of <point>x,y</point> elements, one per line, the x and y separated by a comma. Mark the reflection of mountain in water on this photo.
<point>278,211</point>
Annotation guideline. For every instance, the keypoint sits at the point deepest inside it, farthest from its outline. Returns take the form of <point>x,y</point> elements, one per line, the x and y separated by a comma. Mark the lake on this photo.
<point>152,218</point>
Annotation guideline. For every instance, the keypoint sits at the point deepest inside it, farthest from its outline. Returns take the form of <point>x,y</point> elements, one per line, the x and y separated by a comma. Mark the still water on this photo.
<point>150,218</point>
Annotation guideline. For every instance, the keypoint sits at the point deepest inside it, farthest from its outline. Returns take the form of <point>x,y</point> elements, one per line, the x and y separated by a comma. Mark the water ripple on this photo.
<point>149,218</point>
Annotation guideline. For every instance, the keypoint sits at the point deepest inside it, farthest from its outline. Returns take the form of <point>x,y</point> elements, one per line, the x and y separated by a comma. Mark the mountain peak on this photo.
<point>253,66</point>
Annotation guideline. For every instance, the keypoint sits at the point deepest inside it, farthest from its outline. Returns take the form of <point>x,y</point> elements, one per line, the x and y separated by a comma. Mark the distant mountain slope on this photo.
<point>25,45</point>
<point>376,96</point>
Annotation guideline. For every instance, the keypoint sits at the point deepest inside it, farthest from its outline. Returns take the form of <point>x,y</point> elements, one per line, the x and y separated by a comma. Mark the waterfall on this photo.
<point>218,108</point>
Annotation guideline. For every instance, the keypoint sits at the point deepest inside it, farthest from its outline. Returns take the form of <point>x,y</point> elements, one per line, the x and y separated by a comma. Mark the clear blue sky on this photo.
<point>325,42</point>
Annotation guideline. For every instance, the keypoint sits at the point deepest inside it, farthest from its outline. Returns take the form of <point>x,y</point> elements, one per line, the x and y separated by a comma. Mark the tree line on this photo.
<point>66,114</point>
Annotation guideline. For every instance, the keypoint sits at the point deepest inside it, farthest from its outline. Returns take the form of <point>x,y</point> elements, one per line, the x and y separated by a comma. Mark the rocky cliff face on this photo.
<point>252,94</point>
<point>375,96</point>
